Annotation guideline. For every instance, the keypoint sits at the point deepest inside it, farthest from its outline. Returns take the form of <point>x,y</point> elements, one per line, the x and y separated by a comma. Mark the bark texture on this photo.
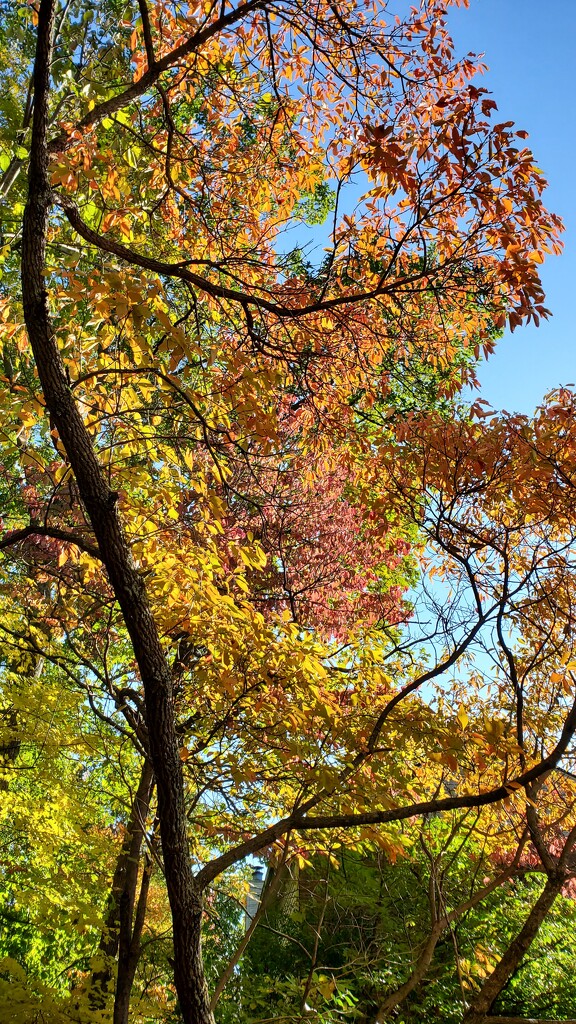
<point>129,951</point>
<point>123,893</point>
<point>492,987</point>
<point>101,505</point>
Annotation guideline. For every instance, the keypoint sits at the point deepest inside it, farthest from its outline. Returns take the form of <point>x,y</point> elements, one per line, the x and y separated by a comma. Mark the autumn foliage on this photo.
<point>276,581</point>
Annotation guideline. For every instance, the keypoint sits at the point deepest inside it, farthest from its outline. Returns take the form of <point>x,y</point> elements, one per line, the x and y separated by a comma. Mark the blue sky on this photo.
<point>530,49</point>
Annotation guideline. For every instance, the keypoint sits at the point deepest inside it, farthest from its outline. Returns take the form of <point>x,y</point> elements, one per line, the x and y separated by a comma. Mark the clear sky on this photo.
<point>530,48</point>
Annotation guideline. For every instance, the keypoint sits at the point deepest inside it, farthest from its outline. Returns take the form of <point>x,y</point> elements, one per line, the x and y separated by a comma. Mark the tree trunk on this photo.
<point>10,744</point>
<point>423,963</point>
<point>101,505</point>
<point>129,952</point>
<point>123,892</point>
<point>496,981</point>
<point>438,927</point>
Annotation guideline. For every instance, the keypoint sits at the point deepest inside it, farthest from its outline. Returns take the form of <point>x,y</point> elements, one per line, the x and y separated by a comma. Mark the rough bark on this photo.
<point>101,505</point>
<point>492,987</point>
<point>129,952</point>
<point>123,891</point>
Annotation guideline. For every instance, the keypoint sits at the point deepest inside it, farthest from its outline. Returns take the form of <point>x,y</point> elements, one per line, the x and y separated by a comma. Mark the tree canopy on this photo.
<point>269,587</point>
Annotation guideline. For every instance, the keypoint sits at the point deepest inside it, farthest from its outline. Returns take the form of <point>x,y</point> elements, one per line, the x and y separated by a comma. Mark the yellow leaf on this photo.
<point>462,718</point>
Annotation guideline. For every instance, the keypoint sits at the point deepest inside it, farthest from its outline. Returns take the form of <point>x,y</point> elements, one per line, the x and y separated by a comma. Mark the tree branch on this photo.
<point>181,271</point>
<point>298,820</point>
<point>151,76</point>
<point>16,536</point>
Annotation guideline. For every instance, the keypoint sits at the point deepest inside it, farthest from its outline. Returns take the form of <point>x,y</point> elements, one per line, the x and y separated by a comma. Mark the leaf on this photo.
<point>462,718</point>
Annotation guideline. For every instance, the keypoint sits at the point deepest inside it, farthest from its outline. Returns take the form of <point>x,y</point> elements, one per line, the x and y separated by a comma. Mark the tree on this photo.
<point>361,929</point>
<point>366,934</point>
<point>186,379</point>
<point>554,849</point>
